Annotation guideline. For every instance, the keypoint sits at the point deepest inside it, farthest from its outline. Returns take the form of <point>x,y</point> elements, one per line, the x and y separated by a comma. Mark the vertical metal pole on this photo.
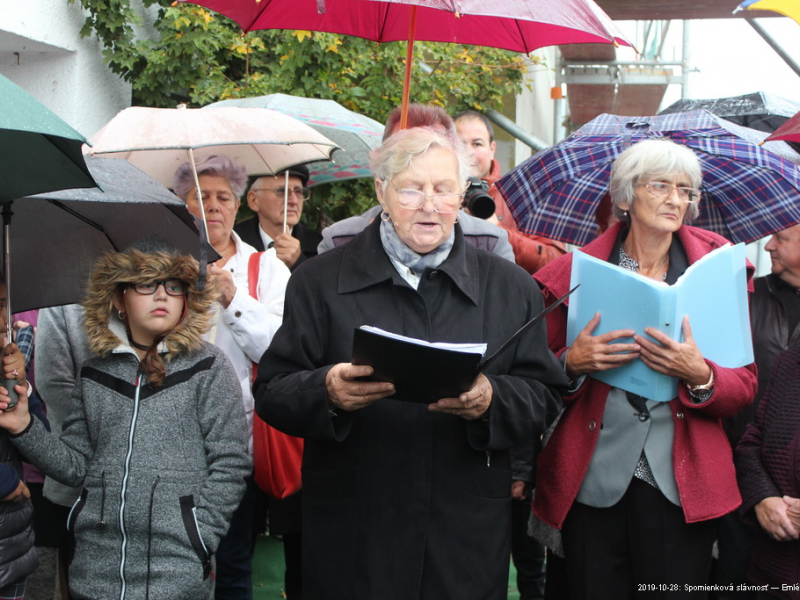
<point>6,212</point>
<point>685,60</point>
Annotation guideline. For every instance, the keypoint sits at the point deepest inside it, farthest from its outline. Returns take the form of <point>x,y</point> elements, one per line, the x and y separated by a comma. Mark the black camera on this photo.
<point>477,199</point>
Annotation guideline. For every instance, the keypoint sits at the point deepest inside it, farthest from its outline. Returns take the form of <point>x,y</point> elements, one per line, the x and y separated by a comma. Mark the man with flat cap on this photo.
<point>266,229</point>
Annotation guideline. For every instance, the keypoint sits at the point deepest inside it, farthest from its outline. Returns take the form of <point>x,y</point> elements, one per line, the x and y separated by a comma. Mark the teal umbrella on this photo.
<point>41,153</point>
<point>356,134</point>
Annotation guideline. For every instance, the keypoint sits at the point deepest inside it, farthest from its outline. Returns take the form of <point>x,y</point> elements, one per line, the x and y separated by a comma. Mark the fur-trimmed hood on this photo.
<point>134,266</point>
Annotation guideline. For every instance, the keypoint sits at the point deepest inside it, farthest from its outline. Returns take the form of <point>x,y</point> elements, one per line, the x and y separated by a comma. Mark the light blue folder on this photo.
<point>713,292</point>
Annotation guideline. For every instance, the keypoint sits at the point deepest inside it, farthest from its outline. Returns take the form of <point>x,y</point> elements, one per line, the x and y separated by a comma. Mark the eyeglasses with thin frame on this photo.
<point>662,189</point>
<point>300,192</point>
<point>443,202</point>
<point>173,287</point>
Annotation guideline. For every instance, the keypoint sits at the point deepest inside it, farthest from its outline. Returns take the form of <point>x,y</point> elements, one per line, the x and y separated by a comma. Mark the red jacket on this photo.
<point>531,252</point>
<point>702,456</point>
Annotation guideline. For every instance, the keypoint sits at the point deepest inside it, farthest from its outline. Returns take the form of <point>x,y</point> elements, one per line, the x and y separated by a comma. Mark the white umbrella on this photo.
<point>159,140</point>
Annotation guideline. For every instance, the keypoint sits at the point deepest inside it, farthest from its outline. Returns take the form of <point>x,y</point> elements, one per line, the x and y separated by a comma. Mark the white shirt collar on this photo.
<point>265,238</point>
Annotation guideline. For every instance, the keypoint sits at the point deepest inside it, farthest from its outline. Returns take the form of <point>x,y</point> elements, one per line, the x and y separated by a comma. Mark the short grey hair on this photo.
<point>218,166</point>
<point>649,158</point>
<point>400,149</point>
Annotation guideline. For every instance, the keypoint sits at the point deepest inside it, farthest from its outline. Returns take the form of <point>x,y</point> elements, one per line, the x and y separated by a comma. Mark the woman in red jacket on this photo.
<point>635,485</point>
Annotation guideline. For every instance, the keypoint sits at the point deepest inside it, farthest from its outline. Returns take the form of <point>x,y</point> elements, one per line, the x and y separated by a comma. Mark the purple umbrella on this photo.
<point>749,191</point>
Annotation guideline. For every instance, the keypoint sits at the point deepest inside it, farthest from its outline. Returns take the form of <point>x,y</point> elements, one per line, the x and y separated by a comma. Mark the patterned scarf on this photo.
<point>400,252</point>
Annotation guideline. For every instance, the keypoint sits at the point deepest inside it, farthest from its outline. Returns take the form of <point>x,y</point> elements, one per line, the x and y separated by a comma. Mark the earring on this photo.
<point>121,315</point>
<point>385,217</point>
<point>456,219</point>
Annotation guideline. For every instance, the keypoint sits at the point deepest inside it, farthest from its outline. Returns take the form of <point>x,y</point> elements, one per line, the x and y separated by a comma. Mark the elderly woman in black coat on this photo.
<point>405,499</point>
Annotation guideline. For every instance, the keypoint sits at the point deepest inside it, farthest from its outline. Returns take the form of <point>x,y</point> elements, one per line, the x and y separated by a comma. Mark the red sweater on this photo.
<point>702,456</point>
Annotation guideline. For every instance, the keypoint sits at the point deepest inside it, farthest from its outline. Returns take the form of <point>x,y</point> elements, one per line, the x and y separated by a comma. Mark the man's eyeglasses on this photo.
<point>443,202</point>
<point>173,287</point>
<point>299,192</point>
<point>662,189</point>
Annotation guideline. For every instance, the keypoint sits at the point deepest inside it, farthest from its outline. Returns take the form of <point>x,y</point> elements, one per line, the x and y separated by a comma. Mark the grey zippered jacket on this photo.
<point>162,471</point>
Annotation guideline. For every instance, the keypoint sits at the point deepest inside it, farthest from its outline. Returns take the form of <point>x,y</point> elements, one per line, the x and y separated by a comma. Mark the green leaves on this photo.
<point>193,55</point>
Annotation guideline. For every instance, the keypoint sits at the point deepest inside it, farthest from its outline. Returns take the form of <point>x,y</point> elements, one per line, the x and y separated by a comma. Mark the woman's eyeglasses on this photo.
<point>443,202</point>
<point>173,287</point>
<point>662,189</point>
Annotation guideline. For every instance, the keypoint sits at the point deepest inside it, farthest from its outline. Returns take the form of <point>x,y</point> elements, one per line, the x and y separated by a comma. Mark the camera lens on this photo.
<point>477,200</point>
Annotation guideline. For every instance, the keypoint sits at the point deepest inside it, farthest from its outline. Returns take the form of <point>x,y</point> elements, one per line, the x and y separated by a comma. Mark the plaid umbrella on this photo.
<point>749,191</point>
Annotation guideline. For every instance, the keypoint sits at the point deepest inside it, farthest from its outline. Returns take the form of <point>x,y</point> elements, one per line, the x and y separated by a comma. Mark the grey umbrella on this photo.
<point>57,236</point>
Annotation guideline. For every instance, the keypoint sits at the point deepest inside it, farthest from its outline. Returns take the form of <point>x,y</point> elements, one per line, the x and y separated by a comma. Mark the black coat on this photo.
<point>400,502</point>
<point>768,465</point>
<point>309,239</point>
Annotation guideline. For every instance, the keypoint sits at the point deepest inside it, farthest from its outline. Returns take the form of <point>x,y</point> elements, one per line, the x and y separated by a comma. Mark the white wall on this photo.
<point>535,108</point>
<point>41,51</point>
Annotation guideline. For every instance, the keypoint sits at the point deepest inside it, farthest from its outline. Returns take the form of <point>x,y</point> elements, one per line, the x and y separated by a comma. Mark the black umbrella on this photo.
<point>759,110</point>
<point>57,236</point>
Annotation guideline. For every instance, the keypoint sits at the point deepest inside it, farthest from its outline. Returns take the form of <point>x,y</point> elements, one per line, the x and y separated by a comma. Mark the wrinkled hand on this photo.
<point>16,419</point>
<point>224,281</point>
<point>521,490</point>
<point>772,516</point>
<point>287,248</point>
<point>20,494</point>
<point>13,364</point>
<point>590,354</point>
<point>470,405</point>
<point>345,392</point>
<point>793,511</point>
<point>676,359</point>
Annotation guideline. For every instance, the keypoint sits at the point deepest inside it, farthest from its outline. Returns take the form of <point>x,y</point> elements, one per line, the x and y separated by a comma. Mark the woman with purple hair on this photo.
<point>243,327</point>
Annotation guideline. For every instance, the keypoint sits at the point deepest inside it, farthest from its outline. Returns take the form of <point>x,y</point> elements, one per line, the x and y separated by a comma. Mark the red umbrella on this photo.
<point>789,131</point>
<point>517,25</point>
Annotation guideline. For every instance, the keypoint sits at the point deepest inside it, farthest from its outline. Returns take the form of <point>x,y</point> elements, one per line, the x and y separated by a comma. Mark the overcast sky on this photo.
<point>732,59</point>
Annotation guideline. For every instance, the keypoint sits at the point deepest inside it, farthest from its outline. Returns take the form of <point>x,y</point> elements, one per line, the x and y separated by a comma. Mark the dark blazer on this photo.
<point>398,501</point>
<point>309,239</point>
<point>768,464</point>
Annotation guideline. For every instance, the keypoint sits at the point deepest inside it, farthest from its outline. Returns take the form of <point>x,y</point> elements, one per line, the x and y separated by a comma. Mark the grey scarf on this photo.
<point>398,250</point>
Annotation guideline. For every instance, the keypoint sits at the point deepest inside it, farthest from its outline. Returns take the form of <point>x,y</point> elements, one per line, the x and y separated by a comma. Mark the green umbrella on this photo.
<point>41,153</point>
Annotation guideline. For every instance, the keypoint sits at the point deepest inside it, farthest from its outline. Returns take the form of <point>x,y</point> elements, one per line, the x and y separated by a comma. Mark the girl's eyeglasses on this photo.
<point>173,287</point>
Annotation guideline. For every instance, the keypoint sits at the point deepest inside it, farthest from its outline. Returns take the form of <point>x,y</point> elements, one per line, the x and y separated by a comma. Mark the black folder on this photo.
<point>425,374</point>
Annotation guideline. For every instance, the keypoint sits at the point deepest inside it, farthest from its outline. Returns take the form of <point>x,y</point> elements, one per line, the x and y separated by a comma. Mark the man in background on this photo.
<point>476,131</point>
<point>775,323</point>
<point>265,230</point>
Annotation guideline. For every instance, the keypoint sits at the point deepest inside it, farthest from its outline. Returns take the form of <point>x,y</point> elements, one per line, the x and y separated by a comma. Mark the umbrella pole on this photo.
<point>285,199</point>
<point>412,26</point>
<point>12,393</point>
<point>198,192</point>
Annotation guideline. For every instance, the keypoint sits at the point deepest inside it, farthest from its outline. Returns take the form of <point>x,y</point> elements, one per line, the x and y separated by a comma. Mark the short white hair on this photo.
<point>400,149</point>
<point>648,158</point>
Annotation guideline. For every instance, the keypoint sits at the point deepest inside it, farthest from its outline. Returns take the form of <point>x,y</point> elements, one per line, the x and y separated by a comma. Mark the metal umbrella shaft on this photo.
<point>6,212</point>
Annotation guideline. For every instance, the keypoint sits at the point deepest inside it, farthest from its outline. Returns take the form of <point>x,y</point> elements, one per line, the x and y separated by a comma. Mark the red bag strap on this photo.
<point>253,269</point>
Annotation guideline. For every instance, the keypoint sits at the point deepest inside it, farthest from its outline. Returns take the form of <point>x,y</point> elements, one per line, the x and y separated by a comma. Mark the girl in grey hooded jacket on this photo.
<point>156,434</point>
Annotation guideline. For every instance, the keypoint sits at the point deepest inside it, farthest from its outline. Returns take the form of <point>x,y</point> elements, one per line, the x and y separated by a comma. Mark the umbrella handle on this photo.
<point>285,199</point>
<point>13,397</point>
<point>198,191</point>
